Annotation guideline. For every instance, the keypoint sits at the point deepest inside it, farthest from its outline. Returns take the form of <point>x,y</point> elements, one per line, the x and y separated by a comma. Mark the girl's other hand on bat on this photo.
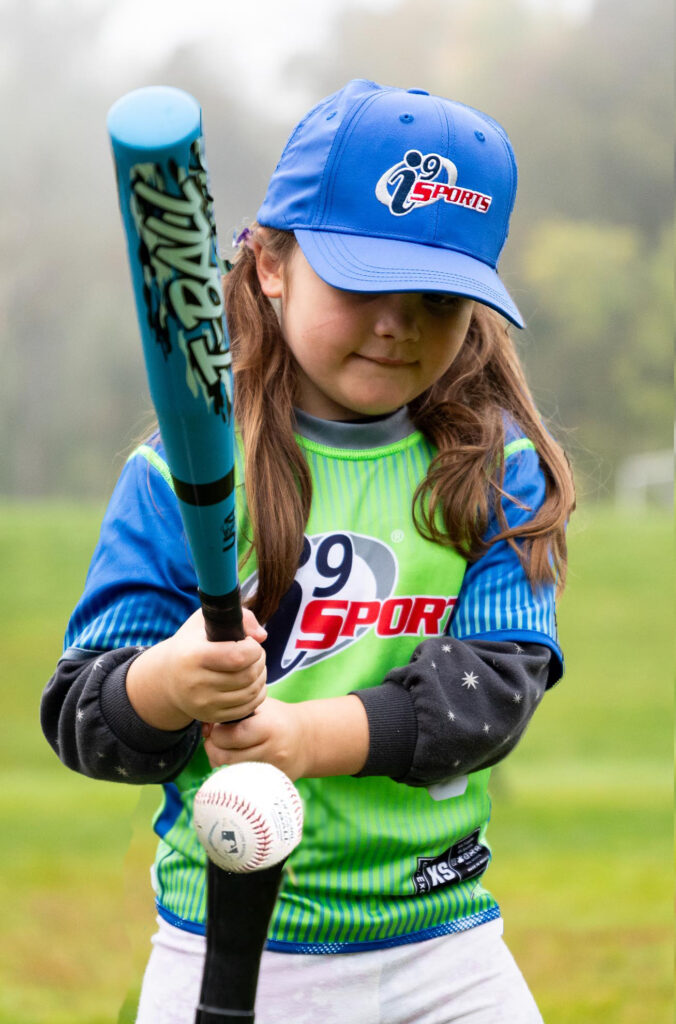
<point>310,739</point>
<point>276,733</point>
<point>188,677</point>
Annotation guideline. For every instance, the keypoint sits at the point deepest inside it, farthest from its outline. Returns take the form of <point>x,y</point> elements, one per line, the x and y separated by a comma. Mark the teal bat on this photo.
<point>167,211</point>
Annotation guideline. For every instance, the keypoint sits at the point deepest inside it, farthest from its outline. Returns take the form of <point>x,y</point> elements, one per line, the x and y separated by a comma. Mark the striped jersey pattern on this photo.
<point>380,863</point>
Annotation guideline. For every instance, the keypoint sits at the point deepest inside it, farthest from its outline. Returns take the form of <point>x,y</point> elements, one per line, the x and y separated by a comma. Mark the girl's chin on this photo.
<point>355,403</point>
<point>357,409</point>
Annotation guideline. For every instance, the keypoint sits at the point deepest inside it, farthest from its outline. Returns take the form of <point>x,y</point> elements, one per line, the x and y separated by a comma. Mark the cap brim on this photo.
<point>361,263</point>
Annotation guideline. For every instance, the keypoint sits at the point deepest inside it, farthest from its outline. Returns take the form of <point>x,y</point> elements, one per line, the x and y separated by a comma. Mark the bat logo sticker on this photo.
<point>182,273</point>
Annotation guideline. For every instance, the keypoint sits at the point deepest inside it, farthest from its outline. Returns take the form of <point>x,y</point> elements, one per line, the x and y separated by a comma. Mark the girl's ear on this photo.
<point>269,269</point>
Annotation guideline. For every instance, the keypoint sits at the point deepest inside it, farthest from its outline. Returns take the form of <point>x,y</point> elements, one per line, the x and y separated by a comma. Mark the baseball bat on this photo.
<point>167,212</point>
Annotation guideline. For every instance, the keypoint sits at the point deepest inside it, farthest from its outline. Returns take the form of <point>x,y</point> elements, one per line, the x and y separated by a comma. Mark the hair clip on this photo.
<point>245,237</point>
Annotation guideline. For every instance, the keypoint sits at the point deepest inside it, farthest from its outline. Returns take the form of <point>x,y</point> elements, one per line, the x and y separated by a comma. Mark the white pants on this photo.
<point>466,978</point>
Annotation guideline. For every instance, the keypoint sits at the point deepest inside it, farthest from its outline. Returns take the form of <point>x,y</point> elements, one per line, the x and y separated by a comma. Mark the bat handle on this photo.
<point>223,619</point>
<point>235,940</point>
<point>239,908</point>
<point>223,615</point>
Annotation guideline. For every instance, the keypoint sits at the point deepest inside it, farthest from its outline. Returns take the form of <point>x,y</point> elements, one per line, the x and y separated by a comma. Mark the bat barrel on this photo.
<point>167,211</point>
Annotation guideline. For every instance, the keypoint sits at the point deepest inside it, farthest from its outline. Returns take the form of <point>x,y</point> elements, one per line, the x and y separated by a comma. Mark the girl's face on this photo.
<point>361,354</point>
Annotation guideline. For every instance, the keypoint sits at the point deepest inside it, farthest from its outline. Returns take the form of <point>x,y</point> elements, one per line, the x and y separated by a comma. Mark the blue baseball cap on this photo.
<point>390,189</point>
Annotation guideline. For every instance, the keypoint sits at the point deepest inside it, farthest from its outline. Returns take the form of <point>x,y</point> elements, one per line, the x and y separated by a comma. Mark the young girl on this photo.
<point>401,530</point>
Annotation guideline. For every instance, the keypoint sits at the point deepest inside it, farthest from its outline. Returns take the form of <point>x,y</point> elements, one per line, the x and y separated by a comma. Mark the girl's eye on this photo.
<point>441,300</point>
<point>441,303</point>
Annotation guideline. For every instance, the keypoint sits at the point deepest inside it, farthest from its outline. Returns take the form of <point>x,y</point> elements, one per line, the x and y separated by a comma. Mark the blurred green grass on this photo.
<point>581,829</point>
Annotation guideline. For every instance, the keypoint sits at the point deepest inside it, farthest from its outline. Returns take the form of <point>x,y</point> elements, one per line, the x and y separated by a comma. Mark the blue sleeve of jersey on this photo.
<point>141,585</point>
<point>496,600</point>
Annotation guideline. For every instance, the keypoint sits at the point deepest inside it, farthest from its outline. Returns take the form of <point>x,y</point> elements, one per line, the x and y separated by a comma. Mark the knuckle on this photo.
<point>252,675</point>
<point>217,757</point>
<point>253,698</point>
<point>235,659</point>
<point>202,705</point>
<point>252,694</point>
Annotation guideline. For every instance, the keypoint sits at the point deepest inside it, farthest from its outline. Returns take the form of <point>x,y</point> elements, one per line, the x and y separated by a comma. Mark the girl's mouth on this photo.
<point>385,361</point>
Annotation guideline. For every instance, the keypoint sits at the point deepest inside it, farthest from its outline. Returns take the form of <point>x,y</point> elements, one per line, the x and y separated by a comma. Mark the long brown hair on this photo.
<point>462,414</point>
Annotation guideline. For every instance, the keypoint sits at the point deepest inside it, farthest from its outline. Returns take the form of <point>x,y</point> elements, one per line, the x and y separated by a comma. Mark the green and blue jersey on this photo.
<point>381,862</point>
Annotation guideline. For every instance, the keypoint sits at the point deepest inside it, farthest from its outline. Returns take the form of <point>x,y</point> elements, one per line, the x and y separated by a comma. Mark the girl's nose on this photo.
<point>396,316</point>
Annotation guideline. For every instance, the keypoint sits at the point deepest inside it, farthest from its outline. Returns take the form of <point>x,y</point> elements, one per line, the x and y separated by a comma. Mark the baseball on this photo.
<point>248,816</point>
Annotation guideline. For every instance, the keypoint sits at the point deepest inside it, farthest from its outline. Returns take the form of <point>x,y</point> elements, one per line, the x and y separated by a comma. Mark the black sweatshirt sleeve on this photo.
<point>89,721</point>
<point>457,707</point>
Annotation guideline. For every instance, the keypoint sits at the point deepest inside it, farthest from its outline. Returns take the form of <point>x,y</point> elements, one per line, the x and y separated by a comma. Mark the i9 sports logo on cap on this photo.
<point>419,180</point>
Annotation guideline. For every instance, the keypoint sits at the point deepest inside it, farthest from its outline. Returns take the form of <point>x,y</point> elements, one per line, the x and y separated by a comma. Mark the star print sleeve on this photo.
<point>464,701</point>
<point>456,708</point>
<point>140,588</point>
<point>87,718</point>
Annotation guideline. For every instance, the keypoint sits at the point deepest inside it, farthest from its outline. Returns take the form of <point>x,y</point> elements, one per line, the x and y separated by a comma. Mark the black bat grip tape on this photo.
<point>236,940</point>
<point>211,1015</point>
<point>222,616</point>
<point>223,620</point>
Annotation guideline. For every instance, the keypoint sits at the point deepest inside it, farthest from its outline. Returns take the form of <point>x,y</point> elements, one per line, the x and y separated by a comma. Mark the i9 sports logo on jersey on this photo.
<point>419,180</point>
<point>344,589</point>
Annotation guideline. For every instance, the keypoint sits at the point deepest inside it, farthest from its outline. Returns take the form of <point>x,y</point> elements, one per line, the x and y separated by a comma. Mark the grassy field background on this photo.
<point>582,817</point>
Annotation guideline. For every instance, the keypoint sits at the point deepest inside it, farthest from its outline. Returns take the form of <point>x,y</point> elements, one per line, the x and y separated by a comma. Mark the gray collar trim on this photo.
<point>369,434</point>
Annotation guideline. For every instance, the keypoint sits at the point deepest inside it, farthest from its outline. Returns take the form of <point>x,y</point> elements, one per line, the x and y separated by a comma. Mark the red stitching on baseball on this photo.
<point>262,833</point>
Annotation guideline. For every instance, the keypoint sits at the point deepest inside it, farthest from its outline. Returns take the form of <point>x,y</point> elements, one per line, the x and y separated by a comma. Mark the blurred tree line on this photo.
<point>588,105</point>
